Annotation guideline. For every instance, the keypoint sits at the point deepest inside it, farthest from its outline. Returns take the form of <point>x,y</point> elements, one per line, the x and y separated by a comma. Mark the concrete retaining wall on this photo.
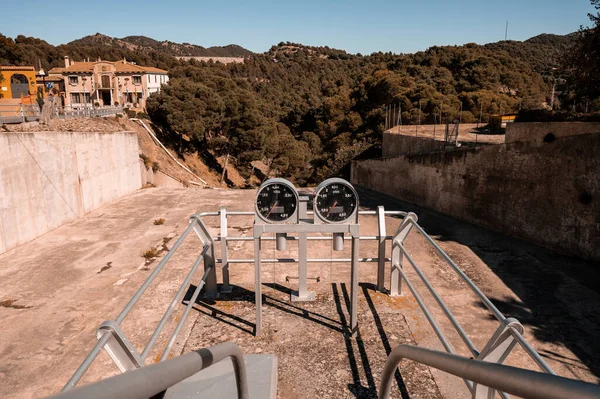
<point>545,193</point>
<point>49,178</point>
<point>158,178</point>
<point>538,131</point>
<point>395,144</point>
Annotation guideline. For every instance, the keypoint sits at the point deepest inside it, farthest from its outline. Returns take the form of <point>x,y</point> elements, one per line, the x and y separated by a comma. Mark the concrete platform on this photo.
<point>57,289</point>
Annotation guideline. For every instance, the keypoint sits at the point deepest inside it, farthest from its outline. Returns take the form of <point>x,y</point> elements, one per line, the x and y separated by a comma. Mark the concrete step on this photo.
<point>218,381</point>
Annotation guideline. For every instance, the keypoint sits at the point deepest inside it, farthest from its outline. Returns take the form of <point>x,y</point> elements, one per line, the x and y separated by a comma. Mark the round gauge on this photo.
<point>335,201</point>
<point>276,201</point>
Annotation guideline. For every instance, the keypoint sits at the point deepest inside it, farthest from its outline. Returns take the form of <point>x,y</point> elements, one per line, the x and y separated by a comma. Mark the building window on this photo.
<point>137,80</point>
<point>155,76</point>
<point>80,98</point>
<point>73,80</point>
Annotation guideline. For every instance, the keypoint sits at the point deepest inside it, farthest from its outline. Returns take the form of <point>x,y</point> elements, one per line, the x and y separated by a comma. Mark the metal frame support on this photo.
<point>302,229</point>
<point>302,295</point>
<point>118,346</point>
<point>495,351</point>
<point>381,249</point>
<point>397,255</point>
<point>226,287</point>
<point>201,231</point>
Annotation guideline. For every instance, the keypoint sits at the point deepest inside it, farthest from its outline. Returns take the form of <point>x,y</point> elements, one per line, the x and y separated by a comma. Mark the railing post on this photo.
<point>209,257</point>
<point>226,288</point>
<point>381,249</point>
<point>397,255</point>
<point>118,347</point>
<point>495,351</point>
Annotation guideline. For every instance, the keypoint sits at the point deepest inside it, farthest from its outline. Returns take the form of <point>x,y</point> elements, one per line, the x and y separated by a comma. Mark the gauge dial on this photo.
<point>335,201</point>
<point>277,200</point>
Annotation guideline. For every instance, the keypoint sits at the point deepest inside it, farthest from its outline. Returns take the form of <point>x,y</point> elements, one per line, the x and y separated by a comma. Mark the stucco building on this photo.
<point>103,83</point>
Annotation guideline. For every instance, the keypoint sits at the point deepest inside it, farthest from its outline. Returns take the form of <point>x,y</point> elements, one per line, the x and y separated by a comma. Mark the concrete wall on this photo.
<point>537,131</point>
<point>158,178</point>
<point>545,193</point>
<point>395,144</point>
<point>49,178</point>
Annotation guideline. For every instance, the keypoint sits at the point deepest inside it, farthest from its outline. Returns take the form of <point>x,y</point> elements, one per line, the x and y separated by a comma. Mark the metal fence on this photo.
<point>19,113</point>
<point>508,334</point>
<point>67,112</point>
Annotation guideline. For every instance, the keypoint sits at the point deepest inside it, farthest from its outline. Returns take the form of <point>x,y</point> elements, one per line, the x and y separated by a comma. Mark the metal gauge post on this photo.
<point>336,201</point>
<point>277,201</point>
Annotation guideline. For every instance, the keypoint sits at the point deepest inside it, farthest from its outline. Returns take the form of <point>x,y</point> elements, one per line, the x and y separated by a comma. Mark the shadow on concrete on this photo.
<point>342,303</point>
<point>559,295</point>
<point>366,287</point>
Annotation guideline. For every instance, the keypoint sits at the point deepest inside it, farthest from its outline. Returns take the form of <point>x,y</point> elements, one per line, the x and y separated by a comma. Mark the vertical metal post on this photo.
<point>226,287</point>
<point>257,286</point>
<point>381,252</point>
<point>302,294</point>
<point>209,259</point>
<point>397,255</point>
<point>496,351</point>
<point>399,113</point>
<point>354,285</point>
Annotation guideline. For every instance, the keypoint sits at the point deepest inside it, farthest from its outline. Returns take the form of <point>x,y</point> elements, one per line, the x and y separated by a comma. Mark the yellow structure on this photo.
<point>500,121</point>
<point>17,82</point>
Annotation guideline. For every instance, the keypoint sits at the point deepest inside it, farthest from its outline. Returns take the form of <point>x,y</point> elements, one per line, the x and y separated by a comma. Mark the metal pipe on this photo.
<point>488,304</point>
<point>296,260</point>
<point>520,382</point>
<point>532,352</point>
<point>463,335</point>
<point>295,238</point>
<point>87,362</point>
<point>185,314</point>
<point>172,305</point>
<point>153,275</point>
<point>155,379</point>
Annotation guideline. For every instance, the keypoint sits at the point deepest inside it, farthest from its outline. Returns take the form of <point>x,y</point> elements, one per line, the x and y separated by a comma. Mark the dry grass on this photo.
<point>151,253</point>
<point>158,222</point>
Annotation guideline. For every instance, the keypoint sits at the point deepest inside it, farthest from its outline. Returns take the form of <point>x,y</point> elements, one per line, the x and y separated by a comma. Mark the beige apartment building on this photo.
<point>104,83</point>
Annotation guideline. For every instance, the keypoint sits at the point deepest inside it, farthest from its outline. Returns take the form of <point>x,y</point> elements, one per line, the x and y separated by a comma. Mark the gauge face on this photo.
<point>276,202</point>
<point>336,201</point>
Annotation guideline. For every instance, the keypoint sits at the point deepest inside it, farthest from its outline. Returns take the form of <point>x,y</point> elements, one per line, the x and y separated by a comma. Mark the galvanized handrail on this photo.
<point>153,380</point>
<point>106,337</point>
<point>485,300</point>
<point>524,383</point>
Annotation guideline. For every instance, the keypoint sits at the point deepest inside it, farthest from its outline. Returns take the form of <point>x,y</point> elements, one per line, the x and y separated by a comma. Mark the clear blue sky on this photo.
<point>355,26</point>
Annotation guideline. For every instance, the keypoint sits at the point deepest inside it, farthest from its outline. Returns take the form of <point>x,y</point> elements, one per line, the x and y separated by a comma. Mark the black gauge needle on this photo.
<point>331,209</point>
<point>274,205</point>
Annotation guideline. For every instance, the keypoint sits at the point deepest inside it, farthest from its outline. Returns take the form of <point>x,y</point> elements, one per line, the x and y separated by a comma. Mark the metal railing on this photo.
<point>526,384</point>
<point>507,336</point>
<point>151,381</point>
<point>89,111</point>
<point>500,345</point>
<point>111,337</point>
<point>19,113</point>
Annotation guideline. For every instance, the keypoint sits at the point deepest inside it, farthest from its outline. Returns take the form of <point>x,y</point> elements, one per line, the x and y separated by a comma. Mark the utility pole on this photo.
<point>480,113</point>
<point>552,95</point>
<point>386,116</point>
<point>506,31</point>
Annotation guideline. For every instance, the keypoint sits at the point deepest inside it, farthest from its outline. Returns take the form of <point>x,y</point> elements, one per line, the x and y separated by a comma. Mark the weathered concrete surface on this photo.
<point>157,178</point>
<point>49,178</point>
<point>395,144</point>
<point>537,131</point>
<point>56,290</point>
<point>546,193</point>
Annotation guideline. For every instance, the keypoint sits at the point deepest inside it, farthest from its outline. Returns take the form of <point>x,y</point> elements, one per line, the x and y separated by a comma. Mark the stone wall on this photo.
<point>49,178</point>
<point>544,192</point>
